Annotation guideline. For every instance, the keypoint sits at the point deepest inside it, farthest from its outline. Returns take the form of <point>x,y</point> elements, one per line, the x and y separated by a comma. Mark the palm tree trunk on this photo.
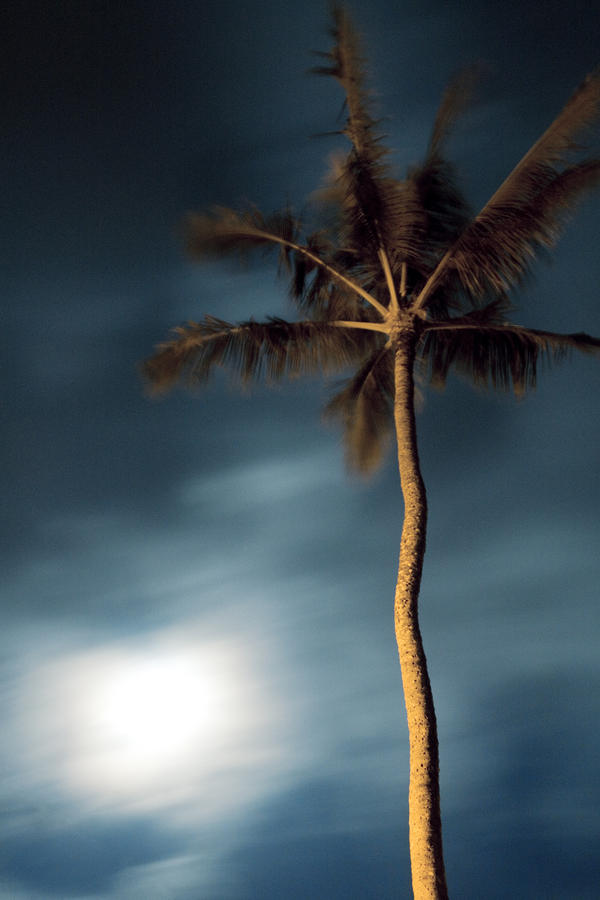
<point>425,826</point>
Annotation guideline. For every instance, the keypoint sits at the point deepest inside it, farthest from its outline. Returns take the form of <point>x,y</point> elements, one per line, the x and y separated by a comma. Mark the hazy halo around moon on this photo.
<point>147,723</point>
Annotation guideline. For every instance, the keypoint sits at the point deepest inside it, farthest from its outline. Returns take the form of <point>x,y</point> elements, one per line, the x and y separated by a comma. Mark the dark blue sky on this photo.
<point>199,682</point>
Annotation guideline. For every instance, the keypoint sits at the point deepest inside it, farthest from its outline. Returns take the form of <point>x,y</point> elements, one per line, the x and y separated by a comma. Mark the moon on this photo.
<point>140,722</point>
<point>150,713</point>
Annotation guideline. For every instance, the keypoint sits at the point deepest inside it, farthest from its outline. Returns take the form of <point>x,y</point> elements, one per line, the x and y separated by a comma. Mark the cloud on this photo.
<point>102,777</point>
<point>269,481</point>
<point>146,724</point>
<point>68,784</point>
<point>83,857</point>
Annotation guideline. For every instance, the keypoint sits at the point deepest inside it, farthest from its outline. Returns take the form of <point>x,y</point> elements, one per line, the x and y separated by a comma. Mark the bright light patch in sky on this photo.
<point>147,723</point>
<point>150,712</point>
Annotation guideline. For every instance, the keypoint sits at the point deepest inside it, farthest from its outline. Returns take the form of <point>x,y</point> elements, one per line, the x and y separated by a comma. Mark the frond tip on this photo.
<point>226,231</point>
<point>457,98</point>
<point>347,65</point>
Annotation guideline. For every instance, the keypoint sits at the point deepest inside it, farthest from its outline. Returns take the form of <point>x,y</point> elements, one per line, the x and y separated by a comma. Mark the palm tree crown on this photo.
<point>394,250</point>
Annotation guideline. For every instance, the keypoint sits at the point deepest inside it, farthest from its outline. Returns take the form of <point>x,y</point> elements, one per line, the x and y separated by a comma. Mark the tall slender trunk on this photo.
<point>425,826</point>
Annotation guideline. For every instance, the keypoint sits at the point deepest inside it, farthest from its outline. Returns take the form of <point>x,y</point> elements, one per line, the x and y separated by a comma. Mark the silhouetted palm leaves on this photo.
<point>253,350</point>
<point>393,249</point>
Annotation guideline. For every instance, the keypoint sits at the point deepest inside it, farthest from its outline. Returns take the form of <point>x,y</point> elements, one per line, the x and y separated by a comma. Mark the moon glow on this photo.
<point>143,722</point>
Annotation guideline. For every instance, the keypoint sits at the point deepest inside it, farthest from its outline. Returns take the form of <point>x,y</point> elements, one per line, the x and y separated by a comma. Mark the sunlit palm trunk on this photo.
<point>427,863</point>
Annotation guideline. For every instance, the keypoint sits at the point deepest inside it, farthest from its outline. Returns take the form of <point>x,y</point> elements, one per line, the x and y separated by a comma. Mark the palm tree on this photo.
<point>399,275</point>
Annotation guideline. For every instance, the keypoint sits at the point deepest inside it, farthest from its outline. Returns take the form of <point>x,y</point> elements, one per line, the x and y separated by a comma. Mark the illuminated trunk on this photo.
<point>425,827</point>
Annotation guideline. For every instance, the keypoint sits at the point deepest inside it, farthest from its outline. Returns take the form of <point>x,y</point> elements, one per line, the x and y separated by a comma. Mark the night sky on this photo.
<point>199,685</point>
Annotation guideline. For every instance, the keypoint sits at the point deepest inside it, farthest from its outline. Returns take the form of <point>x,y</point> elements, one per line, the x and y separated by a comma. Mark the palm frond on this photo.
<point>379,216</point>
<point>324,300</point>
<point>371,211</point>
<point>254,350</point>
<point>552,149</point>
<point>498,248</point>
<point>414,220</point>
<point>346,64</point>
<point>405,223</point>
<point>495,312</point>
<point>528,209</point>
<point>444,215</point>
<point>439,210</point>
<point>432,213</point>
<point>456,99</point>
<point>353,189</point>
<point>226,231</point>
<point>318,294</point>
<point>364,408</point>
<point>502,356</point>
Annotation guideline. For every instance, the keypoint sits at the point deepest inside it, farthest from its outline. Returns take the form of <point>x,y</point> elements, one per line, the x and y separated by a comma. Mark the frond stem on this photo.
<point>385,264</point>
<point>506,328</point>
<point>367,326</point>
<point>403,280</point>
<point>433,280</point>
<point>298,248</point>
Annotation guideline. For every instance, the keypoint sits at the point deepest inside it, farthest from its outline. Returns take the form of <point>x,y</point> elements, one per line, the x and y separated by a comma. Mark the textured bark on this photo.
<point>425,827</point>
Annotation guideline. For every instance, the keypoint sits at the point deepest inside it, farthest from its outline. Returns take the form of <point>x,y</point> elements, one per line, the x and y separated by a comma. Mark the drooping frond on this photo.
<point>254,350</point>
<point>364,408</point>
<point>226,232</point>
<point>320,295</point>
<point>528,209</point>
<point>502,356</point>
<point>229,232</point>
